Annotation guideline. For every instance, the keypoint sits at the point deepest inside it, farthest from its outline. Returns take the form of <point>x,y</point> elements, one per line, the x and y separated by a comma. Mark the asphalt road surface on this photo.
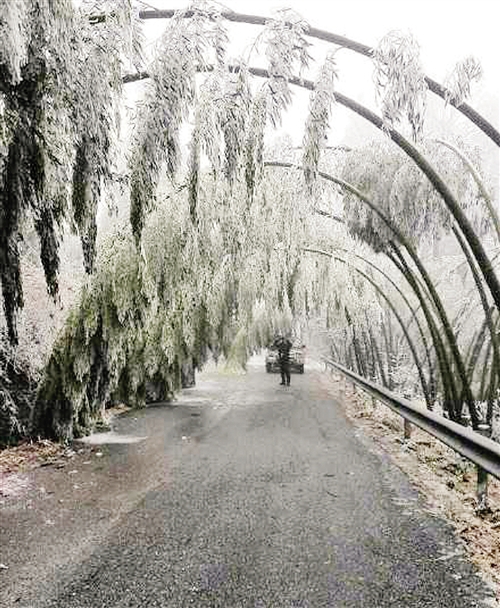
<point>243,494</point>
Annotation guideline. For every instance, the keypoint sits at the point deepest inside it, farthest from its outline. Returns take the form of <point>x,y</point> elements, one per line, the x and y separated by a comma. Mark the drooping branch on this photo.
<point>484,193</point>
<point>402,92</point>
<point>360,48</point>
<point>60,85</point>
<point>423,380</point>
<point>317,122</point>
<point>472,238</point>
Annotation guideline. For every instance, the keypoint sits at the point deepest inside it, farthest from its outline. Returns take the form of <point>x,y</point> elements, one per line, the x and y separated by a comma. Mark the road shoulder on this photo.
<point>446,481</point>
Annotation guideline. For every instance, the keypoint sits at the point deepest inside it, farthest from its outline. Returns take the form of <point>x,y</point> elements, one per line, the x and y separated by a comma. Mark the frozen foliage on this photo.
<point>286,50</point>
<point>400,81</point>
<point>183,50</point>
<point>222,251</point>
<point>14,24</point>
<point>60,78</point>
<point>397,188</point>
<point>459,82</point>
<point>317,121</point>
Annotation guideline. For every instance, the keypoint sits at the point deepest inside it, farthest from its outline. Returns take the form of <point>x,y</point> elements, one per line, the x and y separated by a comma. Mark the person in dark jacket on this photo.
<point>284,345</point>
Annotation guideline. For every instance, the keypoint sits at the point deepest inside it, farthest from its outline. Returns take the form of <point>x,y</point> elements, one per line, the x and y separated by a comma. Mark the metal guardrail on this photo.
<point>482,451</point>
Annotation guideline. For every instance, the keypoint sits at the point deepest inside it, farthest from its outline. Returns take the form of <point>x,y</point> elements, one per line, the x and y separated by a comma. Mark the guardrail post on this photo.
<point>482,476</point>
<point>407,429</point>
<point>406,423</point>
<point>465,420</point>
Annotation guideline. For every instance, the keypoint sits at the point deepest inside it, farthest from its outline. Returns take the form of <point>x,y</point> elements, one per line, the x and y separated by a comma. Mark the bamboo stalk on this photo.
<point>488,319</point>
<point>336,39</point>
<point>422,378</point>
<point>486,197</point>
<point>403,296</point>
<point>451,395</point>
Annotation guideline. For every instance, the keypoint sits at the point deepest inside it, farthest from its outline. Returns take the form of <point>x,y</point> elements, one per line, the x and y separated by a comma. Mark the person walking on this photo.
<point>284,346</point>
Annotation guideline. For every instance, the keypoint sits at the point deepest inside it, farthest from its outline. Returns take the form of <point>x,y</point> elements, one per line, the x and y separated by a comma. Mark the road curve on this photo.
<point>243,494</point>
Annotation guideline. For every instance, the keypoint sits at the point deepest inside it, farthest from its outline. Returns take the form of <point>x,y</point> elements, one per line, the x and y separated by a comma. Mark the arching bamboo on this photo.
<point>490,324</point>
<point>358,47</point>
<point>423,380</point>
<point>486,197</point>
<point>440,186</point>
<point>451,394</point>
<point>428,283</point>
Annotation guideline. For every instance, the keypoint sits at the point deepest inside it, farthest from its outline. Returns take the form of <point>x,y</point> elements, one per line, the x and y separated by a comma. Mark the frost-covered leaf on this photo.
<point>458,83</point>
<point>286,50</point>
<point>14,37</point>
<point>255,143</point>
<point>400,81</point>
<point>182,51</point>
<point>317,122</point>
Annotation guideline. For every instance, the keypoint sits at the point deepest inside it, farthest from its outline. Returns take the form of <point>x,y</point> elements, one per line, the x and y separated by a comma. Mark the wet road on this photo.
<point>242,494</point>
